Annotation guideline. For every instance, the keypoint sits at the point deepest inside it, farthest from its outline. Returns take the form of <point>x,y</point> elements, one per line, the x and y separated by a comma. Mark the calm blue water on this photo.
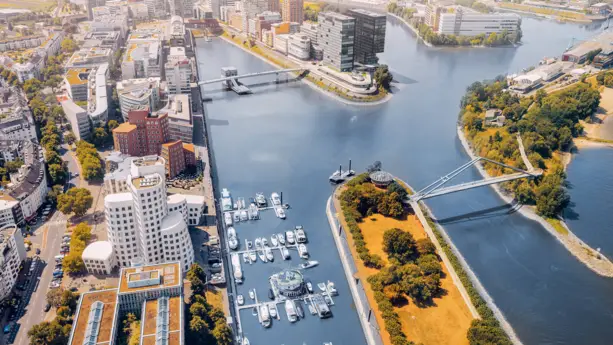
<point>289,138</point>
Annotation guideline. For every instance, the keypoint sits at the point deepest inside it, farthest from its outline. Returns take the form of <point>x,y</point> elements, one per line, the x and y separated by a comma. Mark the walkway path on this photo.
<point>522,151</point>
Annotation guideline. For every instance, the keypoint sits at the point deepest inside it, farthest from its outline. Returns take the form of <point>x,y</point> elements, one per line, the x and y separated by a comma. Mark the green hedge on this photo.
<point>481,332</point>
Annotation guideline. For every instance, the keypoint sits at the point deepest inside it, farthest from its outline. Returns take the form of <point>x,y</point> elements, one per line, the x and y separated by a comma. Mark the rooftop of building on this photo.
<point>189,147</point>
<point>29,177</point>
<point>146,181</point>
<point>142,50</point>
<point>99,250</point>
<point>170,276</point>
<point>172,143</point>
<point>124,128</point>
<point>172,222</point>
<point>77,76</point>
<point>86,55</point>
<point>150,160</point>
<point>159,316</point>
<point>336,16</point>
<point>179,108</point>
<point>367,13</point>
<point>6,232</point>
<point>118,197</point>
<point>101,319</point>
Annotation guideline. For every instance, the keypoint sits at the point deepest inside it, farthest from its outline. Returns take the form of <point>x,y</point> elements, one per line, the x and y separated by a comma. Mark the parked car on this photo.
<point>47,307</point>
<point>58,274</point>
<point>37,251</point>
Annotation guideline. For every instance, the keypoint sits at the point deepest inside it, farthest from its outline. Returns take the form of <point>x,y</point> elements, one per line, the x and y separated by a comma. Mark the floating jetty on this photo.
<point>340,176</point>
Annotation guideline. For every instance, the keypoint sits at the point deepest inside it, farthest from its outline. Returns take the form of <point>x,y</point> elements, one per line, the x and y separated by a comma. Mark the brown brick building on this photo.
<point>178,156</point>
<point>142,135</point>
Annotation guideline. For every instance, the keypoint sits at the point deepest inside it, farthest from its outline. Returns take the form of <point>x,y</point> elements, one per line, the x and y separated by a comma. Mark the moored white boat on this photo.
<point>322,286</point>
<point>272,309</point>
<point>309,287</point>
<point>262,256</point>
<point>236,268</point>
<point>331,288</point>
<point>301,236</point>
<point>274,240</point>
<point>252,256</point>
<point>226,200</point>
<point>246,258</point>
<point>244,216</point>
<point>302,251</point>
<point>246,341</point>
<point>258,243</point>
<point>290,310</point>
<point>264,241</point>
<point>251,294</point>
<point>265,316</point>
<point>309,264</point>
<point>269,254</point>
<point>281,238</point>
<point>285,253</point>
<point>227,217</point>
<point>280,212</point>
<point>276,200</point>
<point>240,300</point>
<point>289,235</point>
<point>260,199</point>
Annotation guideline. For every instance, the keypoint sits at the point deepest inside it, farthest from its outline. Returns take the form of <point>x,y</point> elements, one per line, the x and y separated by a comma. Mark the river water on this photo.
<point>289,138</point>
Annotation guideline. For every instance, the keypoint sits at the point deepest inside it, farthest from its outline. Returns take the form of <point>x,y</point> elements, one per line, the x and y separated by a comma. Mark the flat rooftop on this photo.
<point>169,274</point>
<point>106,319</point>
<point>146,181</point>
<point>150,321</point>
<point>124,128</point>
<point>77,76</point>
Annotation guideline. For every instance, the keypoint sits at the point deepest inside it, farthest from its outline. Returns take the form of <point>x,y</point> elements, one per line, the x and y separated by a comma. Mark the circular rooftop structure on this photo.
<point>99,250</point>
<point>289,283</point>
<point>381,178</point>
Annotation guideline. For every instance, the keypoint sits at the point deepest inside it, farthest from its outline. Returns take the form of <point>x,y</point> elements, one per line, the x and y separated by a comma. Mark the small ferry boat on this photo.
<point>240,300</point>
<point>290,310</point>
<point>301,236</point>
<point>309,287</point>
<point>269,254</point>
<point>280,212</point>
<point>272,309</point>
<point>260,199</point>
<point>289,235</point>
<point>252,256</point>
<point>309,264</point>
<point>285,253</point>
<point>244,216</point>
<point>226,200</point>
<point>302,251</point>
<point>322,286</point>
<point>281,238</point>
<point>265,316</point>
<point>274,240</point>
<point>251,294</point>
<point>332,288</point>
<point>227,217</point>
<point>276,200</point>
<point>236,267</point>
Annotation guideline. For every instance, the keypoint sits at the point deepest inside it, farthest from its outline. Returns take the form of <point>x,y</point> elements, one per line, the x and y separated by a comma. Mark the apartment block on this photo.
<point>89,58</point>
<point>143,55</point>
<point>135,94</point>
<point>292,11</point>
<point>13,253</point>
<point>151,132</point>
<point>78,119</point>
<point>179,71</point>
<point>16,120</point>
<point>178,157</point>
<point>336,36</point>
<point>76,81</point>
<point>369,35</point>
<point>180,124</point>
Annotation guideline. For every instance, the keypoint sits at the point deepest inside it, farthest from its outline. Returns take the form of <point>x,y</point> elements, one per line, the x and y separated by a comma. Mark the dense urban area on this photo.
<point>114,230</point>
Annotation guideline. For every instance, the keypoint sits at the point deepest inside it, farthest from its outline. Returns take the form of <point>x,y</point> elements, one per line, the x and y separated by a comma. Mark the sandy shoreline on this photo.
<point>579,249</point>
<point>312,85</point>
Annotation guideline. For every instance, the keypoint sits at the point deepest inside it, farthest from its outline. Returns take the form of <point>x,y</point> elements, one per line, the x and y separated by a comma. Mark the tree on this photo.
<point>99,137</point>
<point>112,124</point>
<point>197,278</point>
<point>198,309</point>
<point>75,200</point>
<point>68,45</point>
<point>13,166</point>
<point>424,246</point>
<point>54,297</point>
<point>73,263</point>
<point>197,325</point>
<point>399,245</point>
<point>54,192</point>
<point>31,86</point>
<point>57,173</point>
<point>69,138</point>
<point>49,333</point>
<point>383,76</point>
<point>222,333</point>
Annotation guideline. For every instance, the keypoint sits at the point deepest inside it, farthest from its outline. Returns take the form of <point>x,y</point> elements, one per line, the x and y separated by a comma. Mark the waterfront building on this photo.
<point>179,71</point>
<point>432,15</point>
<point>263,21</point>
<point>284,28</point>
<point>268,38</point>
<point>138,93</point>
<point>180,124</point>
<point>143,133</point>
<point>142,58</point>
<point>281,42</point>
<point>13,253</point>
<point>288,283</point>
<point>155,292</point>
<point>604,59</point>
<point>139,223</point>
<point>369,35</point>
<point>202,10</point>
<point>310,31</point>
<point>178,156</point>
<point>299,46</point>
<point>467,22</point>
<point>98,258</point>
<point>292,11</point>
<point>78,119</point>
<point>336,37</point>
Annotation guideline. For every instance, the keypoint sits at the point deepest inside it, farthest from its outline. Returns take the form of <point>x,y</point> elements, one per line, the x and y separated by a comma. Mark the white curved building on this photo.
<point>98,257</point>
<point>143,226</point>
<point>13,253</point>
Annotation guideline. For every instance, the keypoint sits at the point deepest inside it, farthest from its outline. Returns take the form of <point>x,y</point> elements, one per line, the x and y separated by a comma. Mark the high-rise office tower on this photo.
<point>292,11</point>
<point>369,36</point>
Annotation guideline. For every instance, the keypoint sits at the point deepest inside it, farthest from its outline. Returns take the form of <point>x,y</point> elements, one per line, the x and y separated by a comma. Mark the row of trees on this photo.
<point>75,201</point>
<point>547,123</point>
<point>405,13</point>
<point>50,141</point>
<point>73,263</point>
<point>90,160</point>
<point>207,324</point>
<point>56,332</point>
<point>490,40</point>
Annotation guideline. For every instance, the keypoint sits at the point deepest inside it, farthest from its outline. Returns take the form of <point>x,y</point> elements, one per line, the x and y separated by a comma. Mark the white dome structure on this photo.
<point>98,257</point>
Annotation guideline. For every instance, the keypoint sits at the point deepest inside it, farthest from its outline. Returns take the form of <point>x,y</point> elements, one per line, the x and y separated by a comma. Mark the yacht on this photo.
<point>258,243</point>
<point>309,287</point>
<point>246,341</point>
<point>289,235</point>
<point>249,244</point>
<point>227,217</point>
<point>269,255</point>
<point>262,256</point>
<point>252,256</point>
<point>276,200</point>
<point>281,238</point>
<point>226,200</point>
<point>302,250</point>
<point>274,240</point>
<point>285,253</point>
<point>280,212</point>
<point>244,216</point>
<point>309,264</point>
<point>328,343</point>
<point>290,310</point>
<point>251,294</point>
<point>300,236</point>
<point>254,213</point>
<point>299,310</point>
<point>231,232</point>
<point>232,242</point>
<point>264,242</point>
<point>240,300</point>
<point>265,316</point>
<point>260,199</point>
<point>272,309</point>
<point>236,267</point>
<point>332,288</point>
<point>322,286</point>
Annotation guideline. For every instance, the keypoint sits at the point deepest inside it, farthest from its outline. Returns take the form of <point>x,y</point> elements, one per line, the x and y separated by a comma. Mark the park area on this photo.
<point>408,275</point>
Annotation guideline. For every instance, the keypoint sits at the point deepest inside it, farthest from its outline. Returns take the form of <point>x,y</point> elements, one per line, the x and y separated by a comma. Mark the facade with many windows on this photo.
<point>369,35</point>
<point>336,37</point>
<point>12,253</point>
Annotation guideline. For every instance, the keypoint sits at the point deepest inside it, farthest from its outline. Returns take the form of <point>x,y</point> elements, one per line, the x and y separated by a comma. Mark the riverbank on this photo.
<point>563,16</point>
<point>315,84</point>
<point>579,249</point>
<point>407,24</point>
<point>450,316</point>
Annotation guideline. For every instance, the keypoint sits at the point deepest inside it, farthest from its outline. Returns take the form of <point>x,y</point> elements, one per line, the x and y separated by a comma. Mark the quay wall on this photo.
<point>365,314</point>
